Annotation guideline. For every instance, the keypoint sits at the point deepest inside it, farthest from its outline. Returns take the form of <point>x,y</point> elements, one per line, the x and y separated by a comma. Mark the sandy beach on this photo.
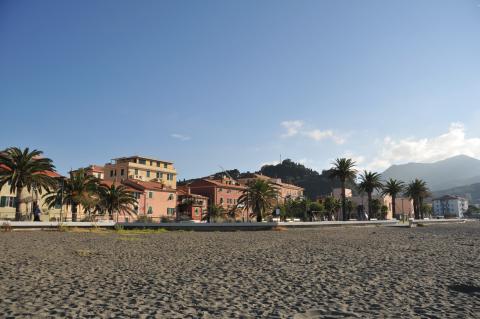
<point>360,272</point>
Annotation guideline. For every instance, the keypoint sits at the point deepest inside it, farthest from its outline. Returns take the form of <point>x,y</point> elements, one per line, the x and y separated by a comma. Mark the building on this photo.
<point>143,169</point>
<point>403,206</point>
<point>155,201</point>
<point>223,192</point>
<point>190,206</point>
<point>285,191</point>
<point>8,200</point>
<point>450,206</point>
<point>93,170</point>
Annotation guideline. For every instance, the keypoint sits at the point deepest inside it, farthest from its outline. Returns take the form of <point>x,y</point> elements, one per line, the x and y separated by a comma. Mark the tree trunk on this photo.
<point>420,208</point>
<point>393,207</point>
<point>369,205</point>
<point>415,209</point>
<point>343,201</point>
<point>74,212</point>
<point>259,216</point>
<point>18,203</point>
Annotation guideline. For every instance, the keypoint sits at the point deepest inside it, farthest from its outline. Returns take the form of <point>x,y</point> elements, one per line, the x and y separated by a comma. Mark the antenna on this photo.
<point>225,172</point>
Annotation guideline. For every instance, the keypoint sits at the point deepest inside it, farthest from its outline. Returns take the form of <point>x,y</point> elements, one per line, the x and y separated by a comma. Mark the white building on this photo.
<point>450,206</point>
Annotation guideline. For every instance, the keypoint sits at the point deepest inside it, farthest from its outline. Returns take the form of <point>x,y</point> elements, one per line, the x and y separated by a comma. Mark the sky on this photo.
<point>238,84</point>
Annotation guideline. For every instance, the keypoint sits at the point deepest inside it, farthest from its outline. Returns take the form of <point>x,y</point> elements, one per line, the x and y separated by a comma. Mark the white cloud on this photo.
<point>296,127</point>
<point>454,142</point>
<point>292,127</point>
<point>180,137</point>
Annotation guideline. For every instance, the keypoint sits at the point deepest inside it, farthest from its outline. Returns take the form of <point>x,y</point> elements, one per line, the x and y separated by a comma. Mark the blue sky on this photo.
<point>237,83</point>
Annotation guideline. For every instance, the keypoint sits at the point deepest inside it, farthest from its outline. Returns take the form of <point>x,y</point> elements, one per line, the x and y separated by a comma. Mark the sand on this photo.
<point>362,272</point>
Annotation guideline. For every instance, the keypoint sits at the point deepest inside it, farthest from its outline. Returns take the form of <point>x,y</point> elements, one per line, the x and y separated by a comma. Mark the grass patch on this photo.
<point>84,252</point>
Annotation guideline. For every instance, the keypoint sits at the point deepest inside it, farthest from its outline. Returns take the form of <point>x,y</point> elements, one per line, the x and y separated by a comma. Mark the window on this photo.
<point>170,197</point>
<point>135,209</point>
<point>196,212</point>
<point>170,177</point>
<point>165,165</point>
<point>122,172</point>
<point>219,190</point>
<point>158,164</point>
<point>150,210</point>
<point>159,175</point>
<point>221,200</point>
<point>136,171</point>
<point>228,191</point>
<point>148,173</point>
<point>111,173</point>
<point>150,194</point>
<point>142,161</point>
<point>7,201</point>
<point>170,211</point>
<point>151,163</point>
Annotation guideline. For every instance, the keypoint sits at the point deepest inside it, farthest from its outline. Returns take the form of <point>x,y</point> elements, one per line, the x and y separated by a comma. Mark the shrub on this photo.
<point>118,227</point>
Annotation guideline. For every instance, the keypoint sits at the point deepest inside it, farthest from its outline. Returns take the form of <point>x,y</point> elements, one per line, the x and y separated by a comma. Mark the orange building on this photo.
<point>285,191</point>
<point>223,192</point>
<point>190,206</point>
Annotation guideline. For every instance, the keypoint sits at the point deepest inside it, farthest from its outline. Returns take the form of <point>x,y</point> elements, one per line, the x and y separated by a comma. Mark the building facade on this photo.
<point>223,192</point>
<point>190,206</point>
<point>8,203</point>
<point>449,206</point>
<point>143,169</point>
<point>285,191</point>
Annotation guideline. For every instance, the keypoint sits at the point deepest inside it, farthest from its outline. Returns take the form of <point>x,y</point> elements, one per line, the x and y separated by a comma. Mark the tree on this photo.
<point>259,197</point>
<point>25,169</point>
<point>76,190</point>
<point>332,205</point>
<point>116,200</point>
<point>315,209</point>
<point>417,190</point>
<point>350,206</point>
<point>214,212</point>
<point>343,169</point>
<point>393,187</point>
<point>376,208</point>
<point>369,182</point>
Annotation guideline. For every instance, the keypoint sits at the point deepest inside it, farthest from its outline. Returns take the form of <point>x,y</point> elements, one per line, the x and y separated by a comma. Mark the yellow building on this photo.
<point>7,203</point>
<point>143,169</point>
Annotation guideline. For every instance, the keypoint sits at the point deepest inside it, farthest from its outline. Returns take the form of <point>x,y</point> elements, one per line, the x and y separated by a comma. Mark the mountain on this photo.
<point>446,174</point>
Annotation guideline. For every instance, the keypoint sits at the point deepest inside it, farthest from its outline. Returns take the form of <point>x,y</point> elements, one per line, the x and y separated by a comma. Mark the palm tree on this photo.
<point>25,169</point>
<point>259,197</point>
<point>393,187</point>
<point>369,182</point>
<point>343,169</point>
<point>417,190</point>
<point>116,199</point>
<point>74,191</point>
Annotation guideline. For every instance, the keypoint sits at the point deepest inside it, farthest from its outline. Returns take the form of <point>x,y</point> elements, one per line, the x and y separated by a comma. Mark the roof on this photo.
<point>148,185</point>
<point>110,183</point>
<point>218,183</point>
<point>276,181</point>
<point>53,174</point>
<point>184,191</point>
<point>95,168</point>
<point>448,197</point>
<point>142,157</point>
